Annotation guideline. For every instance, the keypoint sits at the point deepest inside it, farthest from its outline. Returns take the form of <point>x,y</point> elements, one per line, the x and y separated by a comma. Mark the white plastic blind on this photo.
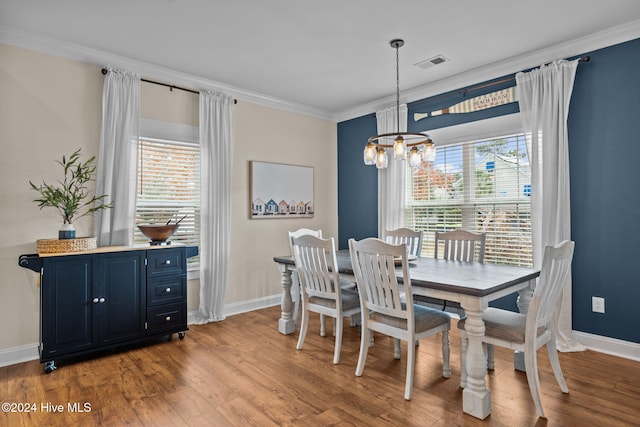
<point>169,188</point>
<point>480,186</point>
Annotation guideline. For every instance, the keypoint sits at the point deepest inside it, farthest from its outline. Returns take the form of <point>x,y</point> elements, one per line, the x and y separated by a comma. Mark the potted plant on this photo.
<point>71,196</point>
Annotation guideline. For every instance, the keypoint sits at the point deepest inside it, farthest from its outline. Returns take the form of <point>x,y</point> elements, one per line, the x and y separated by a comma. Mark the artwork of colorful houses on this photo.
<point>283,208</point>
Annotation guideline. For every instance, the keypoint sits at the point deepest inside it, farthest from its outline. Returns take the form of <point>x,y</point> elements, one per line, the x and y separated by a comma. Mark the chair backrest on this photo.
<point>554,274</point>
<point>411,238</point>
<point>374,265</point>
<point>460,245</point>
<point>316,263</point>
<point>302,232</point>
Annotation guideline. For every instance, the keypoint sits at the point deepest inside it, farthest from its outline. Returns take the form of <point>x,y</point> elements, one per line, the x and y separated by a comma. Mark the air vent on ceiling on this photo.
<point>428,63</point>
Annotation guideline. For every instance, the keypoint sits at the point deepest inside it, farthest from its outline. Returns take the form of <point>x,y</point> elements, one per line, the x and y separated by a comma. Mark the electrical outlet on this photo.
<point>597,304</point>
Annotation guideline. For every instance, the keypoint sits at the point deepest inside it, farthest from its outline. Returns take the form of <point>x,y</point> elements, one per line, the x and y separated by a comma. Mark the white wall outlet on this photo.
<point>597,304</point>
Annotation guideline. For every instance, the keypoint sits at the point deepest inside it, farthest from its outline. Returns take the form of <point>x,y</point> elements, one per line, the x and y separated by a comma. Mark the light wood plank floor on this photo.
<point>242,372</point>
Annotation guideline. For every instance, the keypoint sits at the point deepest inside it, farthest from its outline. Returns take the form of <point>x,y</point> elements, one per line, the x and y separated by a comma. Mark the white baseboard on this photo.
<point>243,306</point>
<point>19,354</point>
<point>612,346</point>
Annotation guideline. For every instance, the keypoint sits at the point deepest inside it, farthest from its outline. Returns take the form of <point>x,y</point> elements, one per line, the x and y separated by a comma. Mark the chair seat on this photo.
<point>348,286</point>
<point>350,300</point>
<point>426,318</point>
<point>504,324</point>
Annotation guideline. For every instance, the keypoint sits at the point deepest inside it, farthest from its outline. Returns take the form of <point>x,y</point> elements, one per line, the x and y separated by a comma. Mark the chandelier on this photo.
<point>417,147</point>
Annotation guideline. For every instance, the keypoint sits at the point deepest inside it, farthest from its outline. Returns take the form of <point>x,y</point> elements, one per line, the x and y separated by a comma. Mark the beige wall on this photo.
<point>51,106</point>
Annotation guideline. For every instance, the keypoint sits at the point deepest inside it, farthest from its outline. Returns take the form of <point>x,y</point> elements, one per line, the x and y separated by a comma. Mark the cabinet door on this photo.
<point>121,282</point>
<point>67,307</point>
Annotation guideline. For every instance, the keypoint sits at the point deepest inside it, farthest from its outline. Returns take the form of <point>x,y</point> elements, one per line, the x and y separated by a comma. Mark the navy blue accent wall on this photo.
<point>604,152</point>
<point>357,183</point>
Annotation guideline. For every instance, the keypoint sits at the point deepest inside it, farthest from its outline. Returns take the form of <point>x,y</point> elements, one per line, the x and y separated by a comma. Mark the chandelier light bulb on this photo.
<point>370,155</point>
<point>399,148</point>
<point>382,159</point>
<point>414,157</point>
<point>429,154</point>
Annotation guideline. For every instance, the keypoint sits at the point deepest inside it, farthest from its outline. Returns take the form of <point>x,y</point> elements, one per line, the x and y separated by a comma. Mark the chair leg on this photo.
<point>365,339</point>
<point>323,326</point>
<point>555,364</point>
<point>338,334</point>
<point>303,328</point>
<point>396,348</point>
<point>464,344</point>
<point>446,355</point>
<point>531,367</point>
<point>296,296</point>
<point>411,363</point>
<point>490,359</point>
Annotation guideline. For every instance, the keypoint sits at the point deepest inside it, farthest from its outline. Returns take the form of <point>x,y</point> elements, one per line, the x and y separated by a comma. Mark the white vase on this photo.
<point>67,231</point>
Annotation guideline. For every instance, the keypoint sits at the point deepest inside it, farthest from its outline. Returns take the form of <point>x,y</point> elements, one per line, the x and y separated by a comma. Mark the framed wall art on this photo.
<point>280,191</point>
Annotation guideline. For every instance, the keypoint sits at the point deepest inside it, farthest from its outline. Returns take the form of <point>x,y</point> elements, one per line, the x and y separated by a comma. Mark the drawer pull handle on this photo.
<point>168,318</point>
<point>95,300</point>
<point>168,290</point>
<point>101,299</point>
<point>167,262</point>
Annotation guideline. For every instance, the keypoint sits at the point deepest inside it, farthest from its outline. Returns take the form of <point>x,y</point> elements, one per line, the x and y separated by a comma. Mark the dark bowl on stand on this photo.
<point>158,233</point>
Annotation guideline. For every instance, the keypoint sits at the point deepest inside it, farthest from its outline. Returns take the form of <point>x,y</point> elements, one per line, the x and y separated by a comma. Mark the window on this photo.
<point>481,186</point>
<point>169,188</point>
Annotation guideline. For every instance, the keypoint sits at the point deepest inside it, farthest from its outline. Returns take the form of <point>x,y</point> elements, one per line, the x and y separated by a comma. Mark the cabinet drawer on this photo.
<point>164,262</point>
<point>163,290</point>
<point>167,318</point>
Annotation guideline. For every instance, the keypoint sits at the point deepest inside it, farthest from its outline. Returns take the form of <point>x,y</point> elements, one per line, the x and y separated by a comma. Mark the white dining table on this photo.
<point>473,285</point>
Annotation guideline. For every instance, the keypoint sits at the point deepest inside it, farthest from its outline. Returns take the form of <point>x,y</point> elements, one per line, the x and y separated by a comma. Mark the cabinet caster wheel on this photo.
<point>181,335</point>
<point>49,367</point>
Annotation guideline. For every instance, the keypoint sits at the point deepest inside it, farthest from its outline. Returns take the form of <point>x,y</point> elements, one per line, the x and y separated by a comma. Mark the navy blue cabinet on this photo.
<point>101,299</point>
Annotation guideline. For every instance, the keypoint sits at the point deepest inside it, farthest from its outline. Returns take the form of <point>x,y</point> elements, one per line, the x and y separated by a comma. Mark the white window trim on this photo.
<point>479,130</point>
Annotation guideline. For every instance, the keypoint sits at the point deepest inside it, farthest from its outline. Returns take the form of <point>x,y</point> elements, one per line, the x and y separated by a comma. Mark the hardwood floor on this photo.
<point>242,372</point>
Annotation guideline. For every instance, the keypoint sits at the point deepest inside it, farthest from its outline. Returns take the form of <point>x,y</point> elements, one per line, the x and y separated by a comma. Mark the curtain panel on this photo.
<point>391,180</point>
<point>544,95</point>
<point>216,161</point>
<point>117,160</point>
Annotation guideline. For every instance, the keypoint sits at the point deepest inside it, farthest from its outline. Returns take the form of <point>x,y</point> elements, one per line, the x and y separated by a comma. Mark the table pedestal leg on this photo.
<point>476,399</point>
<point>286,323</point>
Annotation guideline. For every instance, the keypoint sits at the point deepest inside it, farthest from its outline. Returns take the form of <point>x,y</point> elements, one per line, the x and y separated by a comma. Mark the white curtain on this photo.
<point>544,95</point>
<point>391,180</point>
<point>216,154</point>
<point>117,160</point>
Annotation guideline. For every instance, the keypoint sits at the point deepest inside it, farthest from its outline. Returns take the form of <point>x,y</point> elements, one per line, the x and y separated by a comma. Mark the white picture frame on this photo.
<point>280,191</point>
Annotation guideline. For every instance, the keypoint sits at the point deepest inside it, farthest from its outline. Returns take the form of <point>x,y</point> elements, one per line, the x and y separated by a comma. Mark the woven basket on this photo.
<point>56,246</point>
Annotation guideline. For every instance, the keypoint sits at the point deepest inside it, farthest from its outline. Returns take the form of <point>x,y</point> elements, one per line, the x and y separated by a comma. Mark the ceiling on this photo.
<point>328,56</point>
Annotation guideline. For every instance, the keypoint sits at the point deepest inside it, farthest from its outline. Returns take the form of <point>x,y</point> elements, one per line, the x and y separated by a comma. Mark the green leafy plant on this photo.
<point>71,197</point>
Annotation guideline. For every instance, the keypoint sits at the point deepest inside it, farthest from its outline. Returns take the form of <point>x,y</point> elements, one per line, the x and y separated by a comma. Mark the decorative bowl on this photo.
<point>158,233</point>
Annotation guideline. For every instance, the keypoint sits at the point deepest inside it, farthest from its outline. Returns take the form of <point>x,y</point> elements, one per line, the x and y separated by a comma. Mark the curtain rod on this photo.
<point>478,87</point>
<point>171,87</point>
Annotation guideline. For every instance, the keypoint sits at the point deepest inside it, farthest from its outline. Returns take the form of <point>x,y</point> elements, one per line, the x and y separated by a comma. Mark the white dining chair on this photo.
<point>460,245</point>
<point>387,311</point>
<point>296,295</point>
<point>317,267</point>
<point>295,288</point>
<point>528,332</point>
<point>407,236</point>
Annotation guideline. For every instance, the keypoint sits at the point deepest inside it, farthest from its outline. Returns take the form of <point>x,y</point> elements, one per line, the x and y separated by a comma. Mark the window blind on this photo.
<point>480,186</point>
<point>169,188</point>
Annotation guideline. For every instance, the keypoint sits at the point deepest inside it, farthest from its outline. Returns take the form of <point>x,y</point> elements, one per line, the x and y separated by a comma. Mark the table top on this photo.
<point>451,276</point>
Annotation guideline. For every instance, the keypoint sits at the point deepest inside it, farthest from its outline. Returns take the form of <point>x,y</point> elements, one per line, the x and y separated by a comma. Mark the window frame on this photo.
<point>466,136</point>
<point>180,134</point>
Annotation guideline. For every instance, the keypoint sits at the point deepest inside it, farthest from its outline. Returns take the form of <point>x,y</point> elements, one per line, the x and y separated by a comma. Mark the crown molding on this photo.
<point>39,43</point>
<point>524,61</point>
